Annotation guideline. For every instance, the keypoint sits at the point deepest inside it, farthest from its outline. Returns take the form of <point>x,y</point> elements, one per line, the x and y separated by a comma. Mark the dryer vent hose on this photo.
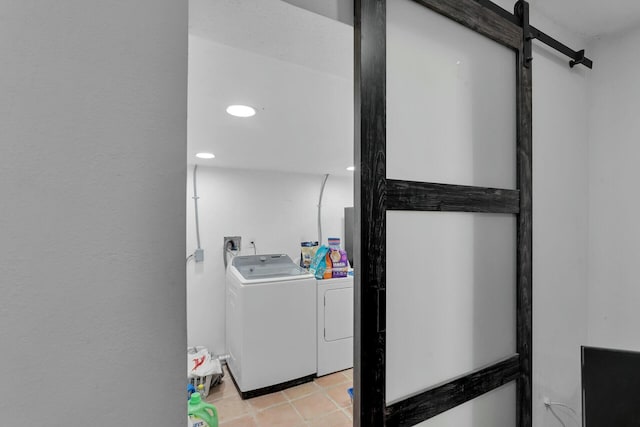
<point>324,182</point>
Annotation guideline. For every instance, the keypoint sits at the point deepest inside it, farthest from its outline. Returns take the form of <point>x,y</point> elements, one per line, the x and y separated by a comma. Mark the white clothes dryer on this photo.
<point>335,325</point>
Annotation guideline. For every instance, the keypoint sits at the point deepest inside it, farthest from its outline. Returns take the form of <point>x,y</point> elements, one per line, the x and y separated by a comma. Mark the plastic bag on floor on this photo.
<point>201,364</point>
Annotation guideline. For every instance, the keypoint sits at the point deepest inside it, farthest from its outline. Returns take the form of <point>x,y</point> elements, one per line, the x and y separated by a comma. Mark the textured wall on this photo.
<point>92,219</point>
<point>560,203</point>
<point>613,207</point>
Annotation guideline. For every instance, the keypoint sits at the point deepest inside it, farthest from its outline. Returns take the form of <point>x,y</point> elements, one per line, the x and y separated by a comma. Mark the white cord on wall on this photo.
<point>198,254</point>
<point>195,202</point>
<point>324,182</point>
<point>550,404</point>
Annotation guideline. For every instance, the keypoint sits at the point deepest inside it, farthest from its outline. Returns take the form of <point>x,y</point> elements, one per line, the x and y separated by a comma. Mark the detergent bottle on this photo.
<point>201,414</point>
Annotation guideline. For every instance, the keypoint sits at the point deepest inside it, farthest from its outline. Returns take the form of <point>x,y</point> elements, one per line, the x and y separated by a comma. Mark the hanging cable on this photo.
<point>324,182</point>
<point>556,416</point>
<point>195,202</point>
<point>198,254</point>
<point>549,404</point>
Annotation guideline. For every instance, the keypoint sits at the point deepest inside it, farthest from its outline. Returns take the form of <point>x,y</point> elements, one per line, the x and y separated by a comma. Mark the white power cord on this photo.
<point>548,403</point>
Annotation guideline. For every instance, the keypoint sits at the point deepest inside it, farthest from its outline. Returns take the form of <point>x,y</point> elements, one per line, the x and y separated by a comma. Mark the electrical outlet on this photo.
<point>198,255</point>
<point>232,243</point>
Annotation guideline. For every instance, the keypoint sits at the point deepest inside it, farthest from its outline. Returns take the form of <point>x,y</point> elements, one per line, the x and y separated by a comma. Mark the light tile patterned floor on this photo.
<point>323,402</point>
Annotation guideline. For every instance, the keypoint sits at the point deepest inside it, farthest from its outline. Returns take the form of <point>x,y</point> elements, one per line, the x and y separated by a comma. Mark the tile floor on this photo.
<point>323,402</point>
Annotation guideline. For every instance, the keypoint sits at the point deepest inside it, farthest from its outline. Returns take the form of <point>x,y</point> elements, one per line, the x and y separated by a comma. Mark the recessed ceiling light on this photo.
<point>351,168</point>
<point>241,110</point>
<point>205,155</point>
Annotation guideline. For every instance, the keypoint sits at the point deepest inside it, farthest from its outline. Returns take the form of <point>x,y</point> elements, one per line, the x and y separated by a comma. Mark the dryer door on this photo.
<point>338,314</point>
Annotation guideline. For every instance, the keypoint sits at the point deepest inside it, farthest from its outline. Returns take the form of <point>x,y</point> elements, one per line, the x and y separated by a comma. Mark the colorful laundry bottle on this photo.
<point>337,262</point>
<point>201,414</point>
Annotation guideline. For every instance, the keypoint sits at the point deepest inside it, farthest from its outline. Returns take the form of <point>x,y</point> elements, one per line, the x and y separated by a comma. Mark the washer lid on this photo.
<point>252,267</point>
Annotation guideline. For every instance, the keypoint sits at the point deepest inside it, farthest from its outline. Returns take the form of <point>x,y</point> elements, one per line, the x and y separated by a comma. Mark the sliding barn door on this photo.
<point>443,208</point>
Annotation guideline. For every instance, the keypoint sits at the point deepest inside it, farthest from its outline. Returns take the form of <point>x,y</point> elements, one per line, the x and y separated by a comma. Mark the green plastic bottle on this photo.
<point>201,414</point>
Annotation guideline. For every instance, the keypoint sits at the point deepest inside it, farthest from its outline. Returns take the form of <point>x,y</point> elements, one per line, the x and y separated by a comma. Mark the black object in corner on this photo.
<point>610,387</point>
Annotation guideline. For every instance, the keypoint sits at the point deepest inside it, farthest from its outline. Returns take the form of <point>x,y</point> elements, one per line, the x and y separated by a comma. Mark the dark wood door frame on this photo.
<point>375,195</point>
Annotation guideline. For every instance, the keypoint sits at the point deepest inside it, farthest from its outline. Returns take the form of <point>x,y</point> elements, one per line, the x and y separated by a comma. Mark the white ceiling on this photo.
<point>295,67</point>
<point>591,17</point>
<point>587,18</point>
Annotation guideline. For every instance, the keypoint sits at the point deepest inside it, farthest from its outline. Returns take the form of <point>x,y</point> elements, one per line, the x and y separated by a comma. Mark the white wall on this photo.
<point>613,203</point>
<point>560,218</point>
<point>277,210</point>
<point>92,170</point>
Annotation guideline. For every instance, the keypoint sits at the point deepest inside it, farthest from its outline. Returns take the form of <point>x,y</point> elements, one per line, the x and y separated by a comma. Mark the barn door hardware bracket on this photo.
<point>520,17</point>
<point>579,59</point>
<point>521,10</point>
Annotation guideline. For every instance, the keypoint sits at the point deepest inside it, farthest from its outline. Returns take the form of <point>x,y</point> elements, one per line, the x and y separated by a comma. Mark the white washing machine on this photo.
<point>335,325</point>
<point>270,323</point>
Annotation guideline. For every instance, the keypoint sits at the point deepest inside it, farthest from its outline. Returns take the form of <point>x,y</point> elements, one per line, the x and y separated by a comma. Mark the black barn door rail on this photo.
<point>438,399</point>
<point>532,33</point>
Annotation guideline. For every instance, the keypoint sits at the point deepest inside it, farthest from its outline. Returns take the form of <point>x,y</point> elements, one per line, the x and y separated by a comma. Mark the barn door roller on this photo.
<point>520,17</point>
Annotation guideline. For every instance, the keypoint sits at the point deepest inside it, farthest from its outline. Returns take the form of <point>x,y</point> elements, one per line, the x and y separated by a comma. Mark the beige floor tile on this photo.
<point>339,395</point>
<point>301,390</point>
<point>331,380</point>
<point>335,419</point>
<point>225,389</point>
<point>231,407</point>
<point>322,402</point>
<point>246,421</point>
<point>279,416</point>
<point>262,402</point>
<point>349,411</point>
<point>314,406</point>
